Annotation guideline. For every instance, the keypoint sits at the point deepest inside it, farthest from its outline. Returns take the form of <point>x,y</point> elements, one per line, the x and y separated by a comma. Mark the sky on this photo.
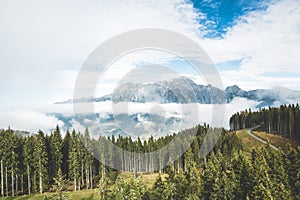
<point>43,44</point>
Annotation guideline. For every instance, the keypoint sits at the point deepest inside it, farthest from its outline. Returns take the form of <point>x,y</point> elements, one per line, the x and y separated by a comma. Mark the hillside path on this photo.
<point>249,132</point>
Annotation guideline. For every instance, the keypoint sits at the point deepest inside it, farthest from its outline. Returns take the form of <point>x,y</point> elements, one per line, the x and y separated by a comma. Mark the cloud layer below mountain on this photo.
<point>106,118</point>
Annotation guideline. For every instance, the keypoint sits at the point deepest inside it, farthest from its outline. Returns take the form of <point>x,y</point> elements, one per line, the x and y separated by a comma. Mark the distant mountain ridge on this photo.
<point>184,90</point>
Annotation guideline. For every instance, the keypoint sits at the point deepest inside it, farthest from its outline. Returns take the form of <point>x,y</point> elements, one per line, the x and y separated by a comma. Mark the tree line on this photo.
<point>31,164</point>
<point>227,173</point>
<point>46,162</point>
<point>283,120</point>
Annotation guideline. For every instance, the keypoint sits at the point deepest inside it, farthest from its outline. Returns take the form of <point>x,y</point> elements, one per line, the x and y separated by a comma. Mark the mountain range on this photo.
<point>184,90</point>
<point>155,105</point>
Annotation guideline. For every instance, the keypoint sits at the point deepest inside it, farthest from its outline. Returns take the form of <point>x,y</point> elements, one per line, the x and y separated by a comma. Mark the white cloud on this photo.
<point>267,41</point>
<point>248,81</point>
<point>192,114</point>
<point>52,39</point>
<point>54,35</point>
<point>268,38</point>
<point>28,120</point>
<point>44,117</point>
<point>43,45</point>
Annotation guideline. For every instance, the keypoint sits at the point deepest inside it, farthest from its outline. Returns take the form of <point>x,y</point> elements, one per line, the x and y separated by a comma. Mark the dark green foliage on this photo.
<point>55,152</point>
<point>158,189</point>
<point>40,160</point>
<point>292,167</point>
<point>132,189</point>
<point>74,160</point>
<point>243,171</point>
<point>194,182</point>
<point>65,152</point>
<point>283,120</point>
<point>60,182</point>
<point>44,162</point>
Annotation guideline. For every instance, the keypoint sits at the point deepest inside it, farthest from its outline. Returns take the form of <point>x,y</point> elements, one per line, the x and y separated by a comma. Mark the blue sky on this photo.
<point>254,44</point>
<point>223,14</point>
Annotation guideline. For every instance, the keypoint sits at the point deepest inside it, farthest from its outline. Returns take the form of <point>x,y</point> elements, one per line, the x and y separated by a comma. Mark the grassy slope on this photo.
<point>78,195</point>
<point>275,139</point>
<point>249,143</point>
<point>148,178</point>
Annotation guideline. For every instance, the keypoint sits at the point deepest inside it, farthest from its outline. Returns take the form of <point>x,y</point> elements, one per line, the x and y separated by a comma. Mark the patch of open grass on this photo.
<point>148,178</point>
<point>91,194</point>
<point>249,143</point>
<point>275,139</point>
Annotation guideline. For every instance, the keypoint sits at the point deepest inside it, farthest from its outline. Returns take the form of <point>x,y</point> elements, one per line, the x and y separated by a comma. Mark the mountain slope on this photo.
<point>184,90</point>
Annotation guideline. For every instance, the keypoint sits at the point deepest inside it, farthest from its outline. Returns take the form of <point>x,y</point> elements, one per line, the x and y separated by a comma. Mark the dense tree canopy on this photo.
<point>48,162</point>
<point>283,120</point>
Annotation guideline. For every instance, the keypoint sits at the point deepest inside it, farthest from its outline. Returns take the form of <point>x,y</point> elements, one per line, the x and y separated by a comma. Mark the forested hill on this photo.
<point>49,162</point>
<point>283,120</point>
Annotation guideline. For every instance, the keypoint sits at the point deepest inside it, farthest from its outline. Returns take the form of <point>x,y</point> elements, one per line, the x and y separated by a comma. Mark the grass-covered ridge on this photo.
<point>275,139</point>
<point>249,143</point>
